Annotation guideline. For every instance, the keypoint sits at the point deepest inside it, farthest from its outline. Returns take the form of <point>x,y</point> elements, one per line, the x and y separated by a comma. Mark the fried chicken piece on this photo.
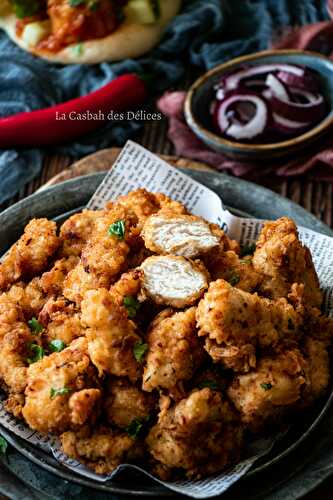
<point>143,204</point>
<point>266,394</point>
<point>126,403</point>
<point>29,297</point>
<point>175,351</point>
<point>77,283</point>
<point>317,370</point>
<point>238,272</point>
<point>283,260</point>
<point>111,335</point>
<point>52,281</point>
<point>200,434</point>
<point>30,254</point>
<point>234,322</point>
<point>55,384</point>
<point>101,449</point>
<point>105,254</point>
<point>184,235</point>
<point>10,314</point>
<point>128,285</point>
<point>76,231</point>
<point>173,281</point>
<point>61,321</point>
<point>14,354</point>
<point>14,404</point>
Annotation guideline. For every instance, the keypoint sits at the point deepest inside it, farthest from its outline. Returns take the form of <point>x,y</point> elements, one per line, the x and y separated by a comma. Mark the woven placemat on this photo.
<point>105,158</point>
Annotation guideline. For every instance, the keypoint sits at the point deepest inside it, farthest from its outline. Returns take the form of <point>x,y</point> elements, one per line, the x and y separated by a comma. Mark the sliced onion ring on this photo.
<point>312,111</point>
<point>289,126</point>
<point>231,82</point>
<point>239,131</point>
<point>277,88</point>
<point>305,81</point>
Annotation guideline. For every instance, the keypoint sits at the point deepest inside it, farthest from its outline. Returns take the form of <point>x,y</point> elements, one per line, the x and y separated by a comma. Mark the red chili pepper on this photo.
<point>57,124</point>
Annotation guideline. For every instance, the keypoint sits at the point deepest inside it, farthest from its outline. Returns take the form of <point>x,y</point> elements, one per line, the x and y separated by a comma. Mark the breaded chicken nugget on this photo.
<point>10,314</point>
<point>184,235</point>
<point>31,253</point>
<point>30,297</point>
<point>101,449</point>
<point>317,370</point>
<point>265,394</point>
<point>201,435</point>
<point>105,254</point>
<point>126,403</point>
<point>283,260</point>
<point>52,281</point>
<point>173,281</point>
<point>235,322</point>
<point>128,285</point>
<point>175,351</point>
<point>53,382</point>
<point>76,231</point>
<point>77,283</point>
<point>62,321</point>
<point>14,354</point>
<point>111,335</point>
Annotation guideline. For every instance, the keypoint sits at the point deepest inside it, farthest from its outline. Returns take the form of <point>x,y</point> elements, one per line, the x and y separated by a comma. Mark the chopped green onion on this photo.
<point>247,250</point>
<point>35,326</point>
<point>137,426</point>
<point>57,345</point>
<point>234,279</point>
<point>266,387</point>
<point>117,229</point>
<point>132,305</point>
<point>37,353</point>
<point>59,392</point>
<point>139,350</point>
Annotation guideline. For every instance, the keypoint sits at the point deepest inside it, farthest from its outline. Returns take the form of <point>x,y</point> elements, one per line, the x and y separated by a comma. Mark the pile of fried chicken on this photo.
<point>142,332</point>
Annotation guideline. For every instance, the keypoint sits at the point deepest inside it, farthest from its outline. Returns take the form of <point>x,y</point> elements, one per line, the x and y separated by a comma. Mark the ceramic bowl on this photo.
<point>202,93</point>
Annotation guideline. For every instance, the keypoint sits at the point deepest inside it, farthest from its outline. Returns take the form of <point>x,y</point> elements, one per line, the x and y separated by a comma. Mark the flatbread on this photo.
<point>128,41</point>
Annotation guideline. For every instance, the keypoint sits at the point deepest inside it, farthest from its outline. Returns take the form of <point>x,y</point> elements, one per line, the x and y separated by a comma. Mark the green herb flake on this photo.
<point>78,49</point>
<point>139,350</point>
<point>3,445</point>
<point>208,383</point>
<point>266,386</point>
<point>35,326</point>
<point>117,229</point>
<point>234,279</point>
<point>136,428</point>
<point>24,8</point>
<point>247,250</point>
<point>132,305</point>
<point>76,3</point>
<point>57,345</point>
<point>37,353</point>
<point>59,392</point>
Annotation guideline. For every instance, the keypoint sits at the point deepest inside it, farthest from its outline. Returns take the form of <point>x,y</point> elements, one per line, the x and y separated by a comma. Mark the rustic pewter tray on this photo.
<point>288,455</point>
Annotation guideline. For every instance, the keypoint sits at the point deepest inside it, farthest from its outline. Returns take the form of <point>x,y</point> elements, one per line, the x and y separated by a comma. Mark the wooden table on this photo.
<point>312,195</point>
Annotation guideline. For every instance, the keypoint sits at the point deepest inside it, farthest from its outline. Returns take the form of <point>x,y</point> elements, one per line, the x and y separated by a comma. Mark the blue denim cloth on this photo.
<point>207,33</point>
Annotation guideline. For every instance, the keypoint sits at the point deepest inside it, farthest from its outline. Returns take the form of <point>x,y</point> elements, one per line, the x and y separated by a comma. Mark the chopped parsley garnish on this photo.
<point>247,250</point>
<point>234,279</point>
<point>76,3</point>
<point>118,229</point>
<point>266,386</point>
<point>59,392</point>
<point>35,325</point>
<point>37,353</point>
<point>139,350</point>
<point>57,345</point>
<point>132,305</point>
<point>210,384</point>
<point>137,427</point>
<point>3,445</point>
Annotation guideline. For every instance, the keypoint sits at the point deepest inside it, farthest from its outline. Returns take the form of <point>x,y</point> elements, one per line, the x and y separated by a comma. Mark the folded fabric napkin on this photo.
<point>206,33</point>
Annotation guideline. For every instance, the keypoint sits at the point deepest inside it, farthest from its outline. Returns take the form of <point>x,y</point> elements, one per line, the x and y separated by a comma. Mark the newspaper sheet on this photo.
<point>138,168</point>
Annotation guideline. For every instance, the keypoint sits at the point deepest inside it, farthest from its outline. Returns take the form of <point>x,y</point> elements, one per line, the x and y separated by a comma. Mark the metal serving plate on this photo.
<point>243,198</point>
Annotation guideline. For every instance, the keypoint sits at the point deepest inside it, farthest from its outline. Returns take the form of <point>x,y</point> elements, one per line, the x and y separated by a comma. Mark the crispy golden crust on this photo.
<point>200,435</point>
<point>126,403</point>
<point>173,281</point>
<point>175,351</point>
<point>29,297</point>
<point>77,283</point>
<point>111,335</point>
<point>317,370</point>
<point>76,231</point>
<point>283,260</point>
<point>101,449</point>
<point>69,371</point>
<point>52,281</point>
<point>62,321</point>
<point>128,285</point>
<point>185,235</point>
<point>31,254</point>
<point>235,322</point>
<point>267,393</point>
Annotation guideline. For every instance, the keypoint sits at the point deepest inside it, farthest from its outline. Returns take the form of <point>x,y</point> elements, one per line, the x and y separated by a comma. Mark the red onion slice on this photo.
<point>311,111</point>
<point>305,81</point>
<point>277,88</point>
<point>231,82</point>
<point>289,126</point>
<point>239,131</point>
